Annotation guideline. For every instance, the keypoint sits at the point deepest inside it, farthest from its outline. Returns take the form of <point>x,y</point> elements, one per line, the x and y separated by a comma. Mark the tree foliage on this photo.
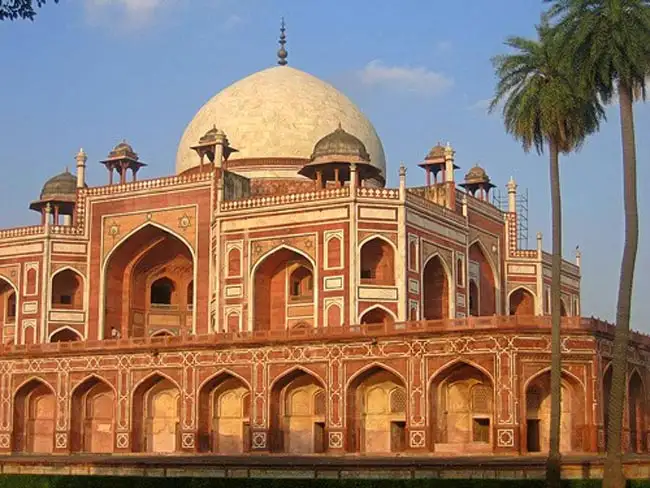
<point>20,9</point>
<point>544,105</point>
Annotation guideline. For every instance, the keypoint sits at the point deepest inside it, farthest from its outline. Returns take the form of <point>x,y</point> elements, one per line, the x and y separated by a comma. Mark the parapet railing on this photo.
<point>348,332</point>
<point>286,199</point>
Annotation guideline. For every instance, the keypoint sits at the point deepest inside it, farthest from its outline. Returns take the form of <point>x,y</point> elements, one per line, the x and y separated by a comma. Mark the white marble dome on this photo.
<point>280,112</point>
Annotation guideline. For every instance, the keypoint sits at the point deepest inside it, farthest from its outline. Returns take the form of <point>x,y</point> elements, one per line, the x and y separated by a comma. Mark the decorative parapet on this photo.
<point>146,185</point>
<point>443,212</point>
<point>480,206</point>
<point>32,230</point>
<point>385,193</point>
<point>567,266</point>
<point>504,324</point>
<point>275,200</point>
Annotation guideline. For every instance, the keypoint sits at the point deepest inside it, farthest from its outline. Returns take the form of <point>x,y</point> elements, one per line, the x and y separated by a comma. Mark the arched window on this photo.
<point>190,295</point>
<point>65,335</point>
<point>377,262</point>
<point>11,307</point>
<point>334,252</point>
<point>234,262</point>
<point>474,298</point>
<point>67,291</point>
<point>161,291</point>
<point>301,284</point>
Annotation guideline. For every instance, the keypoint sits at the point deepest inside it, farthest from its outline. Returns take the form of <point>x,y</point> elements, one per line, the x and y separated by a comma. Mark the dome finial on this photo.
<point>282,52</point>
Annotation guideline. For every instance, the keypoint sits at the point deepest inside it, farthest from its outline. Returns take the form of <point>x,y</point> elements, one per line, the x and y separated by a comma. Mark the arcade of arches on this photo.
<point>283,291</point>
<point>460,409</point>
<point>149,285</point>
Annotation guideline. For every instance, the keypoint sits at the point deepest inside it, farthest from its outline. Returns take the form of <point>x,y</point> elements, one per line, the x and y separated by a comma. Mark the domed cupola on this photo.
<point>121,159</point>
<point>477,179</point>
<point>59,194</point>
<point>340,146</point>
<point>213,144</point>
<point>333,158</point>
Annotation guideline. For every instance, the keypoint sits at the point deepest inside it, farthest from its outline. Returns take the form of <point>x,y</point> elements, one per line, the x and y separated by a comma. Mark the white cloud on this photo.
<point>418,80</point>
<point>481,105</point>
<point>232,21</point>
<point>133,12</point>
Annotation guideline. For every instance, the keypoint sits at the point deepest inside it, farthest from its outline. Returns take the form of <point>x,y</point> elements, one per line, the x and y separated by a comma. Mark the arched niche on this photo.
<point>145,280</point>
<point>298,413</point>
<point>483,275</point>
<point>377,315</point>
<point>376,411</point>
<point>8,311</point>
<point>377,262</point>
<point>34,418</point>
<point>522,302</point>
<point>65,334</point>
<point>637,413</point>
<point>462,409</point>
<point>435,290</point>
<point>92,426</point>
<point>224,415</point>
<point>67,290</point>
<point>156,415</point>
<point>274,306</point>
<point>538,413</point>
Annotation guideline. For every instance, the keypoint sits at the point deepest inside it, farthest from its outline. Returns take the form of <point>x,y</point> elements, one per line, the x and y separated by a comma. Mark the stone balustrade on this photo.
<point>371,331</point>
<point>287,199</point>
<point>383,193</point>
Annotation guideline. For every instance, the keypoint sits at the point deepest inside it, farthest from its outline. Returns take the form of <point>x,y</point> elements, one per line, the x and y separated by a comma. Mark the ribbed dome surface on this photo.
<point>61,185</point>
<point>340,143</point>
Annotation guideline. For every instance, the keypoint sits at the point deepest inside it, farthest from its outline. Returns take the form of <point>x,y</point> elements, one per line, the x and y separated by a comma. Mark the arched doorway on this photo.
<point>283,291</point>
<point>462,409</point>
<point>156,415</point>
<point>636,413</point>
<point>538,413</point>
<point>7,311</point>
<point>298,414</point>
<point>377,315</point>
<point>376,412</point>
<point>145,281</point>
<point>67,290</point>
<point>482,274</point>
<point>92,422</point>
<point>224,415</point>
<point>522,302</point>
<point>377,262</point>
<point>435,286</point>
<point>34,418</point>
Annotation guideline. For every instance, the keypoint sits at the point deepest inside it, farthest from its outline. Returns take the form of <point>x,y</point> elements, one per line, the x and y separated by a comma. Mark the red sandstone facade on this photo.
<point>214,313</point>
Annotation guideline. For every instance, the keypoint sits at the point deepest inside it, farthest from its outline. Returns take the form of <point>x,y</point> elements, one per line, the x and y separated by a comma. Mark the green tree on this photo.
<point>20,9</point>
<point>543,106</point>
<point>609,42</point>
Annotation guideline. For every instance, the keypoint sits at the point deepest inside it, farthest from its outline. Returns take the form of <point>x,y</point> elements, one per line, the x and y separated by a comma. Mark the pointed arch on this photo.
<point>34,416</point>
<point>524,301</point>
<point>436,304</point>
<point>461,414</point>
<point>224,404</point>
<point>372,425</point>
<point>493,307</point>
<point>535,409</point>
<point>257,301</point>
<point>155,407</point>
<point>65,334</point>
<point>139,253</point>
<point>9,308</point>
<point>295,424</point>
<point>387,312</point>
<point>92,415</point>
<point>377,266</point>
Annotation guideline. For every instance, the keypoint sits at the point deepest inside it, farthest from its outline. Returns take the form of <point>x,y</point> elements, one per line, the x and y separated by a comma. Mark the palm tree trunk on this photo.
<point>553,462</point>
<point>614,477</point>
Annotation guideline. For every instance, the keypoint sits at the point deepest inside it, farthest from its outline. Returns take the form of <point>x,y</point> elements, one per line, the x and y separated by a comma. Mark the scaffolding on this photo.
<point>500,201</point>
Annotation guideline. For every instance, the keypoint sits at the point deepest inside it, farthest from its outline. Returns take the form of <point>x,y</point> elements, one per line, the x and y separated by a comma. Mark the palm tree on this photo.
<point>609,42</point>
<point>544,106</point>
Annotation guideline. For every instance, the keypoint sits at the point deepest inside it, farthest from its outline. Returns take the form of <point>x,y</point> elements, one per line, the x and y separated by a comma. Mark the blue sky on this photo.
<point>88,73</point>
